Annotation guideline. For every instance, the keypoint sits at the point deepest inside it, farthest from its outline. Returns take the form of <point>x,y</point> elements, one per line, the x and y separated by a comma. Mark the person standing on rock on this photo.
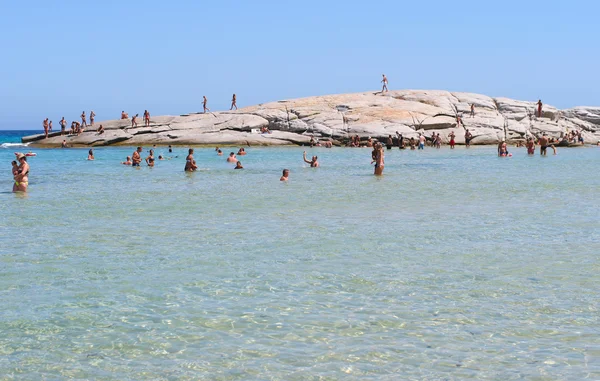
<point>136,159</point>
<point>45,124</point>
<point>92,116</point>
<point>233,102</point>
<point>539,104</point>
<point>472,110</point>
<point>204,103</point>
<point>146,118</point>
<point>468,137</point>
<point>134,120</point>
<point>83,121</point>
<point>50,126</point>
<point>385,83</point>
<point>63,125</point>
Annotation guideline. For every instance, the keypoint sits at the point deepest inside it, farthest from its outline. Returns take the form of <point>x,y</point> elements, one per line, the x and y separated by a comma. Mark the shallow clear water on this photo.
<point>454,265</point>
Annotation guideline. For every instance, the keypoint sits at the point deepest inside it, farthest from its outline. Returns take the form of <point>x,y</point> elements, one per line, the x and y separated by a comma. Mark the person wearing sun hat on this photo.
<point>21,178</point>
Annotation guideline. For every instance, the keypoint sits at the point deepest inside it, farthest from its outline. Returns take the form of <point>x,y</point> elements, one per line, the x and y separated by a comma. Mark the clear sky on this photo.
<point>62,57</point>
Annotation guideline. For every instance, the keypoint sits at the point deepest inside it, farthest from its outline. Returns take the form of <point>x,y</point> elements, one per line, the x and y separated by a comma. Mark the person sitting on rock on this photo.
<point>100,130</point>
<point>124,115</point>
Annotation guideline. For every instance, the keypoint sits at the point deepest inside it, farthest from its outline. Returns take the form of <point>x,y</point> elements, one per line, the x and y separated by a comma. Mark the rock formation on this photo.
<point>337,117</point>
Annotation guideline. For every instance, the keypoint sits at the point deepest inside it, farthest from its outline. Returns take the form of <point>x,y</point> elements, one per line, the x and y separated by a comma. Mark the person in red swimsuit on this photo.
<point>539,104</point>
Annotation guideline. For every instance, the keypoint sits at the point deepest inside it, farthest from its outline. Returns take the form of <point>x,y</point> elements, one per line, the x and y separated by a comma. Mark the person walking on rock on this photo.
<point>385,83</point>
<point>233,102</point>
<point>204,103</point>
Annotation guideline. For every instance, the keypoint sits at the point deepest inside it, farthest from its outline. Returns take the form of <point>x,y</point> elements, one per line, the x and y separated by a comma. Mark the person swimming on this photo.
<point>127,161</point>
<point>285,175</point>
<point>238,165</point>
<point>90,154</point>
<point>231,158</point>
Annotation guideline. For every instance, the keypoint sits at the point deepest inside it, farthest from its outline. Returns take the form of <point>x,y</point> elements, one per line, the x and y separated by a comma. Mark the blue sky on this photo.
<point>62,57</point>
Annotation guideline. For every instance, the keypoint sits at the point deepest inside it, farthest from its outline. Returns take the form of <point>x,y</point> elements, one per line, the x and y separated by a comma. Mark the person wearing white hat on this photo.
<point>21,178</point>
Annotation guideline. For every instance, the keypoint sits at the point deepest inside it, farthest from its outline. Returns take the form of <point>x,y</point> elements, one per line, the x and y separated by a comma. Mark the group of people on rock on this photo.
<point>76,127</point>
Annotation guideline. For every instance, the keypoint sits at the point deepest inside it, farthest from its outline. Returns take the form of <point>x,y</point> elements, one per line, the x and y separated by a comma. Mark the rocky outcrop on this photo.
<point>336,117</point>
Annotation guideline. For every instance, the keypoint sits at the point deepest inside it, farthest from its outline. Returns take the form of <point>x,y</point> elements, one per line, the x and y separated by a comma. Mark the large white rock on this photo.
<point>377,115</point>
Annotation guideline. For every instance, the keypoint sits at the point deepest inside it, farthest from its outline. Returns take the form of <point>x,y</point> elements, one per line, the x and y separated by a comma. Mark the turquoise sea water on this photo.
<point>454,265</point>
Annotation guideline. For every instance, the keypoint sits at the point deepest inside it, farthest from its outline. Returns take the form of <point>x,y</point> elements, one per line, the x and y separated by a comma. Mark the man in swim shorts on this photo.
<point>385,83</point>
<point>136,159</point>
<point>543,144</point>
<point>421,141</point>
<point>468,137</point>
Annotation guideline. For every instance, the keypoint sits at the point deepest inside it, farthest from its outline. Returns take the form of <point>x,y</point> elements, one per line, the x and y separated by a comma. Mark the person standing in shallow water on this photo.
<point>22,176</point>
<point>233,102</point>
<point>314,161</point>
<point>136,159</point>
<point>389,142</point>
<point>190,163</point>
<point>91,154</point>
<point>468,137</point>
<point>452,141</point>
<point>385,83</point>
<point>379,160</point>
<point>150,159</point>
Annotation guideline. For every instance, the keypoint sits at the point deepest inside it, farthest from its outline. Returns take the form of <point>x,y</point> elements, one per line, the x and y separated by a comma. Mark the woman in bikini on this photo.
<point>379,159</point>
<point>150,159</point>
<point>190,163</point>
<point>91,154</point>
<point>146,118</point>
<point>92,116</point>
<point>21,178</point>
